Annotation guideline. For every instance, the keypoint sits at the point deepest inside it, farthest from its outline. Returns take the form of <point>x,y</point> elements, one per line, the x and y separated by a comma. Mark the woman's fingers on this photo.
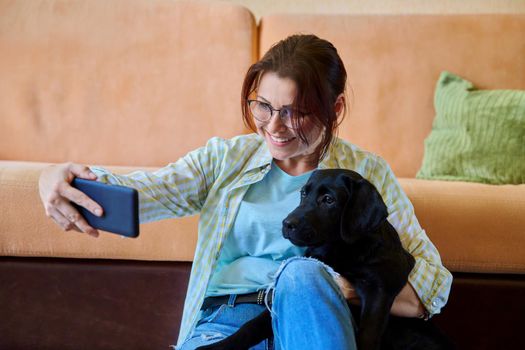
<point>346,288</point>
<point>57,194</point>
<point>60,219</point>
<point>60,209</point>
<point>79,230</point>
<point>68,218</point>
<point>81,199</point>
<point>73,216</point>
<point>82,171</point>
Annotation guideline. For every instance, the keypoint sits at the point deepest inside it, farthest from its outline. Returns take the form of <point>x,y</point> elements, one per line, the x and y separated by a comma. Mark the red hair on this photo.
<point>315,66</point>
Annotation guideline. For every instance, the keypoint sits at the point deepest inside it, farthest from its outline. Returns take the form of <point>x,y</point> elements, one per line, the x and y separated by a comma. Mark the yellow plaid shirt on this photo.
<point>212,180</point>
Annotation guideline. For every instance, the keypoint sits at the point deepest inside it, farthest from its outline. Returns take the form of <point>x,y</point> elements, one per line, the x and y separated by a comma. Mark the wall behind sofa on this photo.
<point>262,8</point>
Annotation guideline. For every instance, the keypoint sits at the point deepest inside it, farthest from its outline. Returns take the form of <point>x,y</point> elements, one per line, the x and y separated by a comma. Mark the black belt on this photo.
<point>250,298</point>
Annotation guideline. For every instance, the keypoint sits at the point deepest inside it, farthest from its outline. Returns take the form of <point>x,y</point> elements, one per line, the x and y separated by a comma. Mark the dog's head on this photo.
<point>335,204</point>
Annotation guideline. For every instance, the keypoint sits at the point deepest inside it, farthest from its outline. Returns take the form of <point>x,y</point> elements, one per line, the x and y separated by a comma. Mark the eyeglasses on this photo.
<point>263,112</point>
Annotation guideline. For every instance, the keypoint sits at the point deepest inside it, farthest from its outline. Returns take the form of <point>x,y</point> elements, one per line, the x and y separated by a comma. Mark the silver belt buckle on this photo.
<point>260,297</point>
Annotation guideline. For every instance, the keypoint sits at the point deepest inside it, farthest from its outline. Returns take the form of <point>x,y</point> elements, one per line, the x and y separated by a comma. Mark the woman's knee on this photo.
<point>297,273</point>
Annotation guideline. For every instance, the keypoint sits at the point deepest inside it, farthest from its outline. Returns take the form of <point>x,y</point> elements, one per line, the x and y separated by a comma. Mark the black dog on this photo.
<point>342,219</point>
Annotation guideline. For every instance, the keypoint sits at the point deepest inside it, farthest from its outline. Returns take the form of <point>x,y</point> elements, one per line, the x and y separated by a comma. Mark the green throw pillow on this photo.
<point>477,135</point>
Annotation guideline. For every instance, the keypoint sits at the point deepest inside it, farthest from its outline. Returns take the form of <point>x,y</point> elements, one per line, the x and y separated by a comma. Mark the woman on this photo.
<point>293,98</point>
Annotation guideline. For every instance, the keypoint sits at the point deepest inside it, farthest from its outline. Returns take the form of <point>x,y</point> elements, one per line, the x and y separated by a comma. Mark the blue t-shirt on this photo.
<point>255,248</point>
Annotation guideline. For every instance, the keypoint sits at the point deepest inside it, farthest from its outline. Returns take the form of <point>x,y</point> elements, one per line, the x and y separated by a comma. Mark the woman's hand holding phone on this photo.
<point>57,194</point>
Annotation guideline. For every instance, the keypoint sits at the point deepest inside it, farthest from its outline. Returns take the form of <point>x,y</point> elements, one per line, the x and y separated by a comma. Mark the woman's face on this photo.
<point>286,147</point>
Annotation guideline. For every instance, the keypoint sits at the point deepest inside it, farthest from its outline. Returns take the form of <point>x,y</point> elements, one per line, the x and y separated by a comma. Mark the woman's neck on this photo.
<point>295,168</point>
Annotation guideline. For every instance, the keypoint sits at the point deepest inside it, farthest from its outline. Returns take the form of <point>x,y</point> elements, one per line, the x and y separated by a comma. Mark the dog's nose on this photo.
<point>290,224</point>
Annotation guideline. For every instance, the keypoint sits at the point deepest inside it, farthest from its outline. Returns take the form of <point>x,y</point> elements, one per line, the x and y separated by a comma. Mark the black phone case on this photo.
<point>120,204</point>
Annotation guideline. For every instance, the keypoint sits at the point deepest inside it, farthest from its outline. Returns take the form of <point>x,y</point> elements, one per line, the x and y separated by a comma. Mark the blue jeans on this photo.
<point>308,312</point>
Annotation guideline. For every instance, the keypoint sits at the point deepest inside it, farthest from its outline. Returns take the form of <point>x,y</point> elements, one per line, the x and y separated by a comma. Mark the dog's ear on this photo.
<point>364,210</point>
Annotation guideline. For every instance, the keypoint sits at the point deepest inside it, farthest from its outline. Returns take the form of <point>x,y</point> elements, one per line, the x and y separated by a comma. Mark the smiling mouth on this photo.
<point>281,139</point>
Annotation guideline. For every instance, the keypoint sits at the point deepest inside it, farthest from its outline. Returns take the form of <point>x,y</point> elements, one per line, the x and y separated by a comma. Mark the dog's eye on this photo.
<point>328,199</point>
<point>303,193</point>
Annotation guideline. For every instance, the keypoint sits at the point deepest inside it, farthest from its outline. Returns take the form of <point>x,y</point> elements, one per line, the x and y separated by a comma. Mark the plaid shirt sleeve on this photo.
<point>430,279</point>
<point>179,189</point>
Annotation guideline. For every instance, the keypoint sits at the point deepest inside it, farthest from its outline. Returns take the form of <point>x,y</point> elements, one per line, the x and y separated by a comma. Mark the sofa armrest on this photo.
<point>476,227</point>
<point>26,231</point>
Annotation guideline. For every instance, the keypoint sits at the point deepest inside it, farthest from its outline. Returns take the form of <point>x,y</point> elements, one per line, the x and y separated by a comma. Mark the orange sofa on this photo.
<point>137,84</point>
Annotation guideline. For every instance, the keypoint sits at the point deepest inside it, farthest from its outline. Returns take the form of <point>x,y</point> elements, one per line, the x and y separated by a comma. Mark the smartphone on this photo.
<point>120,205</point>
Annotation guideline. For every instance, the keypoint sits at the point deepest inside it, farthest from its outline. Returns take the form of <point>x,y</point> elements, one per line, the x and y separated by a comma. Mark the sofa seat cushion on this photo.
<point>476,227</point>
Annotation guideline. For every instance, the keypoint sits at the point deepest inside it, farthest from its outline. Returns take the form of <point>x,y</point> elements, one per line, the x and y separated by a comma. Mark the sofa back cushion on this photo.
<point>120,82</point>
<point>394,61</point>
